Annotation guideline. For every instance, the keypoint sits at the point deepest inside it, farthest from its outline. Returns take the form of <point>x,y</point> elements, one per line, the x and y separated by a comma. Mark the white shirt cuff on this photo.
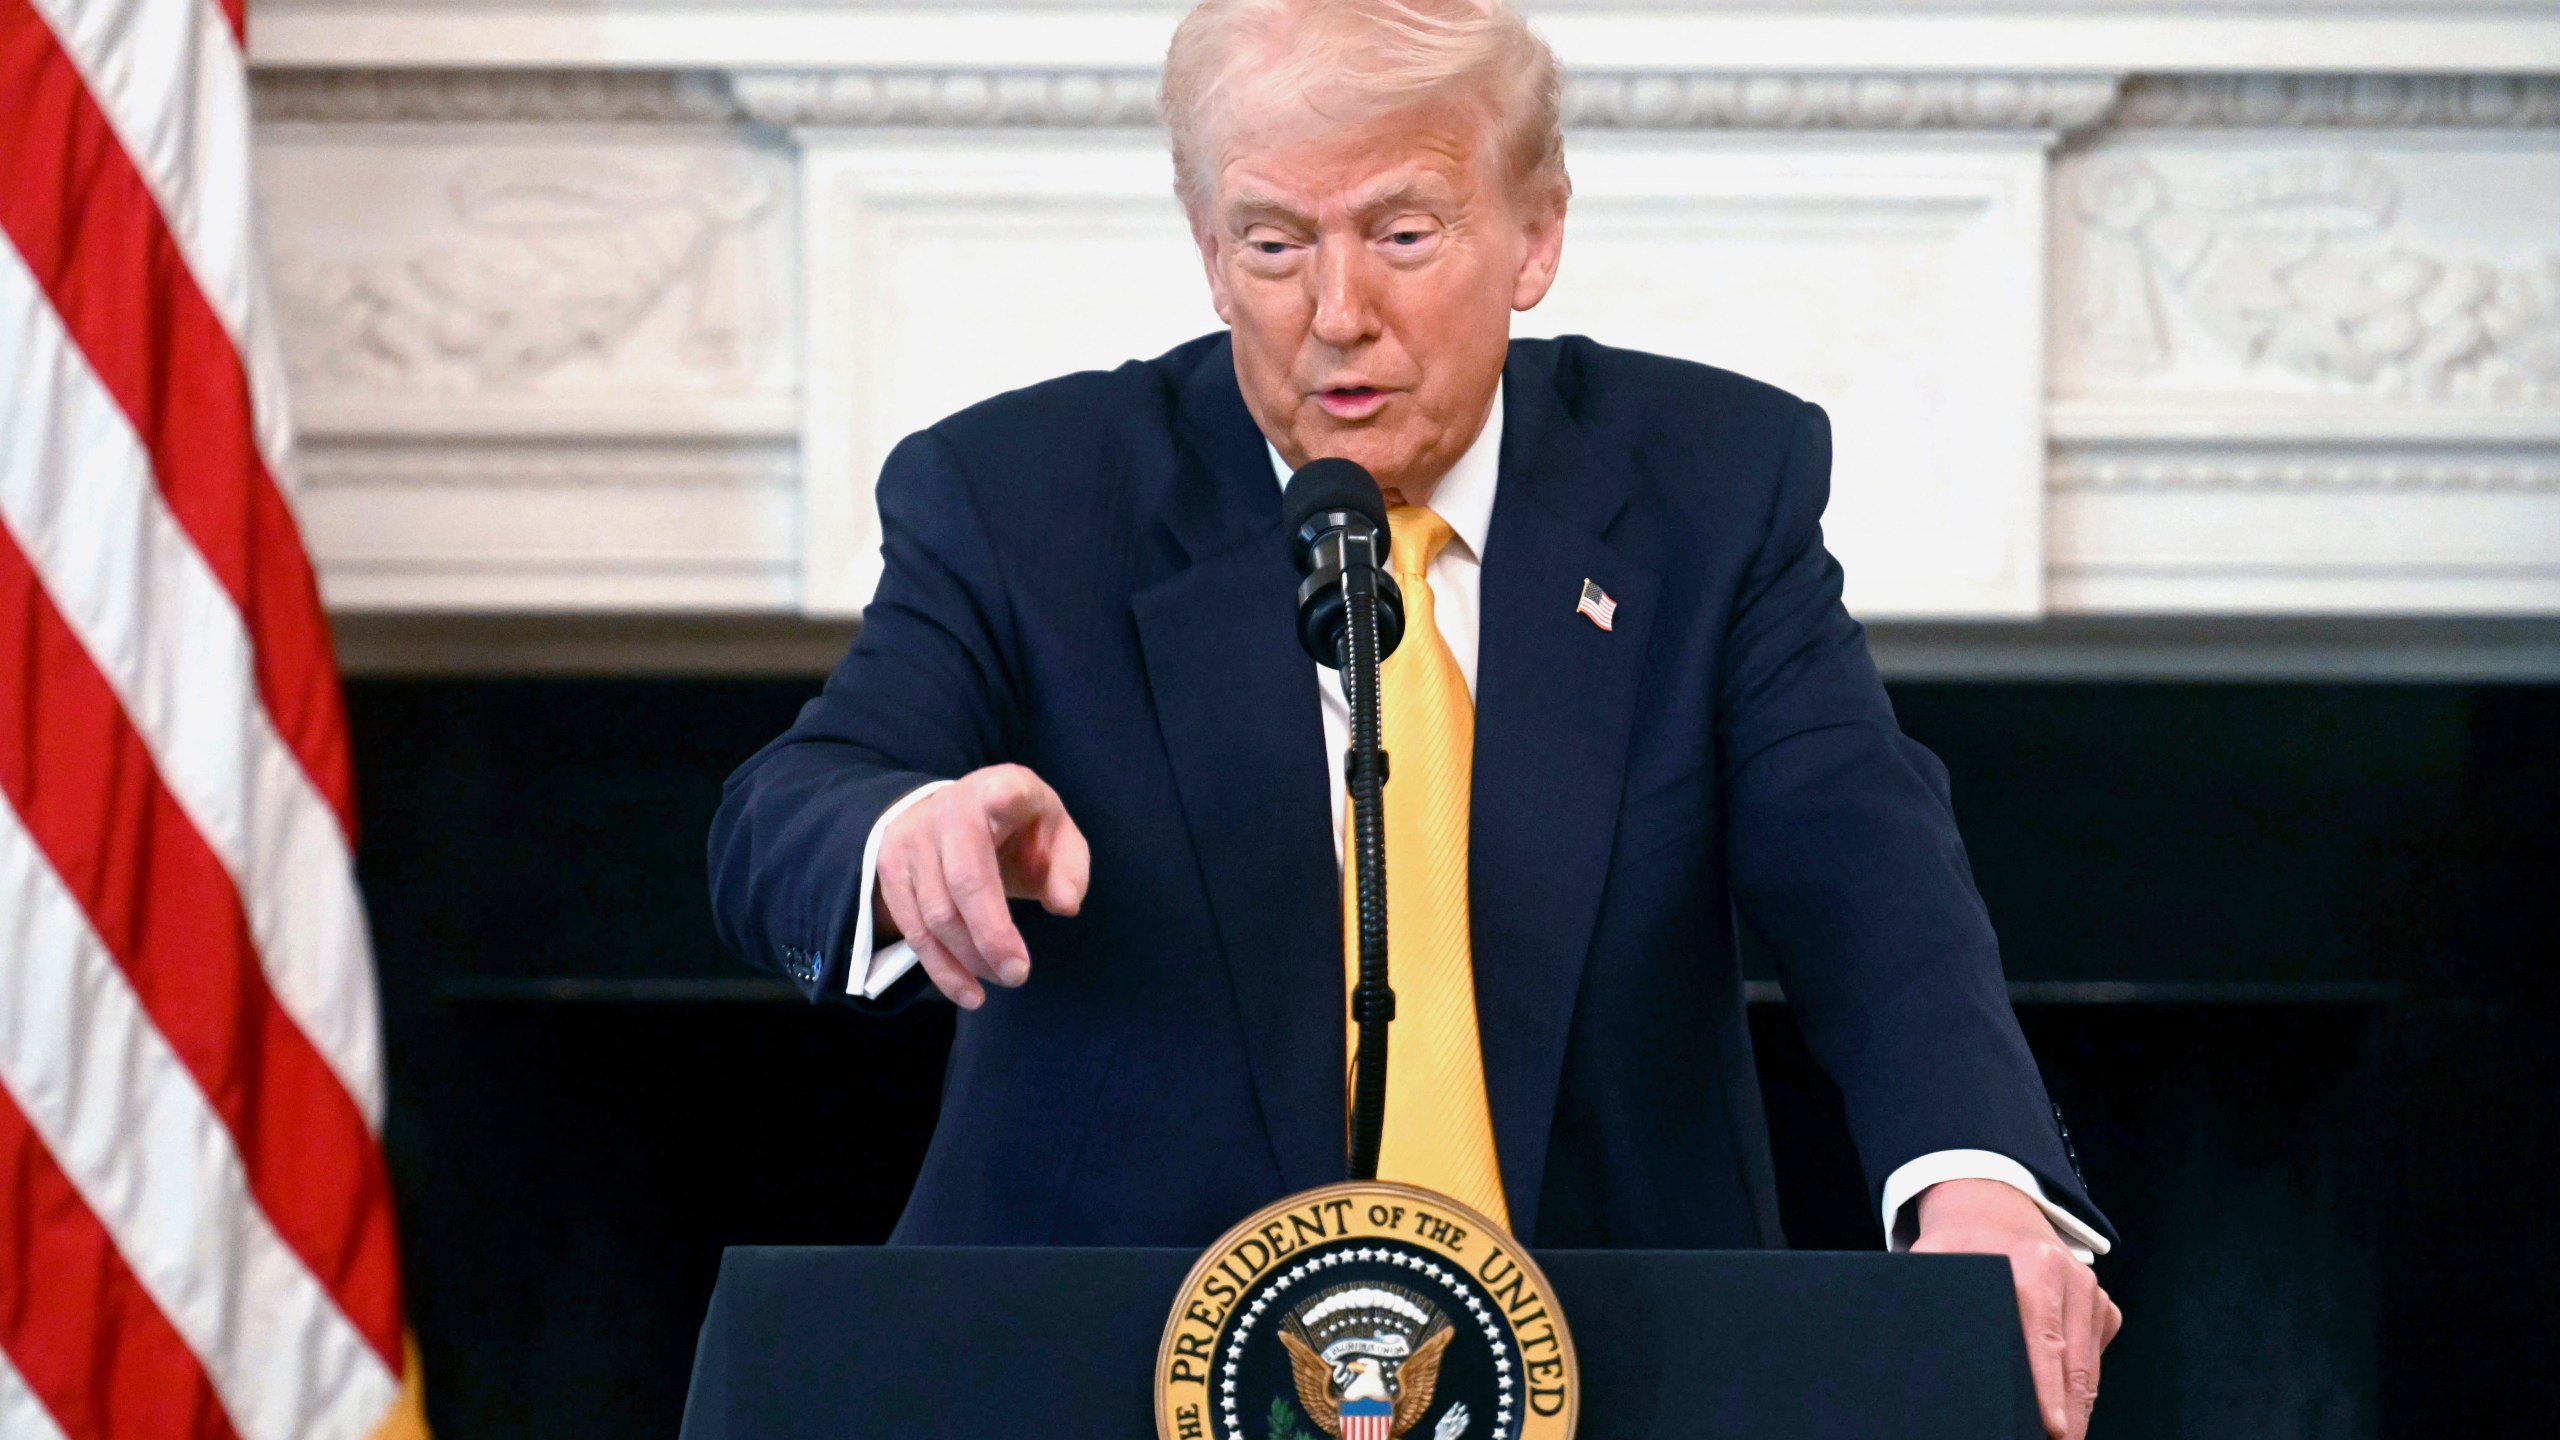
<point>870,975</point>
<point>1905,1184</point>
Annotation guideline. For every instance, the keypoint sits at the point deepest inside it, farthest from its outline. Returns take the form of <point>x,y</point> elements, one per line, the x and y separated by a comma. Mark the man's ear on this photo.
<point>1543,228</point>
<point>1220,299</point>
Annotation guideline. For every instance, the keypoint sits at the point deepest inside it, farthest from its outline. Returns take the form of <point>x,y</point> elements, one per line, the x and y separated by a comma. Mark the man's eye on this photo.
<point>1407,237</point>
<point>1272,247</point>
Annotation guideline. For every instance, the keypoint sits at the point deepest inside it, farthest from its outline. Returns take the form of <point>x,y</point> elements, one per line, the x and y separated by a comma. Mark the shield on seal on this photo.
<point>1367,1420</point>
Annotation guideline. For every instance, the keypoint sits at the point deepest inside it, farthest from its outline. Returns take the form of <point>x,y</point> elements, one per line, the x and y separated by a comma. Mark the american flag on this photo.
<point>1595,603</point>
<point>195,1222</point>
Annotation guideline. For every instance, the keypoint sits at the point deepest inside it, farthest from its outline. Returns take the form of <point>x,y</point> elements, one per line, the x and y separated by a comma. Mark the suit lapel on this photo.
<point>1236,701</point>
<point>1555,696</point>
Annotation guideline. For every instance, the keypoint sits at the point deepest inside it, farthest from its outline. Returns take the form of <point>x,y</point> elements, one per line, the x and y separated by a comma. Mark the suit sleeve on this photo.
<point>1846,861</point>
<point>925,693</point>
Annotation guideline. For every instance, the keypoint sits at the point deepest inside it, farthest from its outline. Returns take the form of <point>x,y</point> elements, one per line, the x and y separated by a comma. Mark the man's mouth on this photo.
<point>1351,402</point>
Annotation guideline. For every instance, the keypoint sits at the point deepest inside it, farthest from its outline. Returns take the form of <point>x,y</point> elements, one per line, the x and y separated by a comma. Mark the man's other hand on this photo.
<point>949,863</point>
<point>2068,1319</point>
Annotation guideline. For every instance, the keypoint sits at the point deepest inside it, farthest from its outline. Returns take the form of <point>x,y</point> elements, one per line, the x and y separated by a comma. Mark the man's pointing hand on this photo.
<point>950,862</point>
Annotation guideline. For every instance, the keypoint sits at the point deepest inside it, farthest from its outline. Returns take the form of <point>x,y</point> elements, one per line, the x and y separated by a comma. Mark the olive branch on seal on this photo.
<point>1283,1423</point>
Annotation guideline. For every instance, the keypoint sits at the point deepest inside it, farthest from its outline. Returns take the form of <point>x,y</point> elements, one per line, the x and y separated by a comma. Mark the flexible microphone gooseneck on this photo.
<point>1350,616</point>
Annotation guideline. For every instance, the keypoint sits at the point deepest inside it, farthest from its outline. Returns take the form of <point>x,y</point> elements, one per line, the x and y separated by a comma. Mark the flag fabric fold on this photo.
<point>196,1231</point>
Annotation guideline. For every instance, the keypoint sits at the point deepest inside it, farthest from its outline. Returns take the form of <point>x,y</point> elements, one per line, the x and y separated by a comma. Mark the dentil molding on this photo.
<point>1660,100</point>
<point>493,96</point>
<point>1663,101</point>
<point>442,464</point>
<point>1103,98</point>
<point>2308,470</point>
<point>1098,98</point>
<point>2396,102</point>
<point>1765,101</point>
<point>1078,98</point>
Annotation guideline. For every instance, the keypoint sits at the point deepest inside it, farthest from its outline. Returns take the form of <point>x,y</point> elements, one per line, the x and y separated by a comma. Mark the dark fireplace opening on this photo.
<point>2285,953</point>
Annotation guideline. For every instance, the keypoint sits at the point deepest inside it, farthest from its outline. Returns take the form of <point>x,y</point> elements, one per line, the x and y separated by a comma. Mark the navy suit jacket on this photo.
<point>1089,577</point>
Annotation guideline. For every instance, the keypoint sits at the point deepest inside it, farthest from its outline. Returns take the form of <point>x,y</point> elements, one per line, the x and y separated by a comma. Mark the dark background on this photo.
<point>2286,953</point>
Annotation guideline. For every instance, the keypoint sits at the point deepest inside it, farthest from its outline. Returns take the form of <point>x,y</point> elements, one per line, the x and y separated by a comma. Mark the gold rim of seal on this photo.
<point>1454,1209</point>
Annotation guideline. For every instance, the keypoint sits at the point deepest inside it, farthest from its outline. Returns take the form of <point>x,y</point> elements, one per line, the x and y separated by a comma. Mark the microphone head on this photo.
<point>1331,487</point>
<point>1336,512</point>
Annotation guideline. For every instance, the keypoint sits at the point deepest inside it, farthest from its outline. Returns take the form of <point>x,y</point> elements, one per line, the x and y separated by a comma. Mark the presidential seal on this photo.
<point>1366,1311</point>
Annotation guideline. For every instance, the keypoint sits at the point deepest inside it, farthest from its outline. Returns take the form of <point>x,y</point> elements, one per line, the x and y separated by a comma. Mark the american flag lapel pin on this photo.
<point>1596,606</point>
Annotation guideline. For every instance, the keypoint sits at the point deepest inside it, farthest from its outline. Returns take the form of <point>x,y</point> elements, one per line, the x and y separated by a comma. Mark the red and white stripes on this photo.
<point>195,1222</point>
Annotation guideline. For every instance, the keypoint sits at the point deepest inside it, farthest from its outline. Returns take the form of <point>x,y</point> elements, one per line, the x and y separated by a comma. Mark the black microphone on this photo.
<point>1338,535</point>
<point>1350,615</point>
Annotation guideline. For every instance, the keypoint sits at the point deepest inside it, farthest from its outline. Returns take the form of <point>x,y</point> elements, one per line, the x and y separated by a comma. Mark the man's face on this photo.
<point>1369,276</point>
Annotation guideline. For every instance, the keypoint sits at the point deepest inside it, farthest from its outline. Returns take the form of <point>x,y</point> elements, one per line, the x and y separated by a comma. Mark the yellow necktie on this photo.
<point>1439,1128</point>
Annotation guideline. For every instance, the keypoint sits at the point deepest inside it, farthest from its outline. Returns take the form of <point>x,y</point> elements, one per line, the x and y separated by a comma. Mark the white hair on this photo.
<point>1350,61</point>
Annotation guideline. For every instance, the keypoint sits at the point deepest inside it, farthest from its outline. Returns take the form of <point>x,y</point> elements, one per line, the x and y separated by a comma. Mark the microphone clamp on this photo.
<point>1344,555</point>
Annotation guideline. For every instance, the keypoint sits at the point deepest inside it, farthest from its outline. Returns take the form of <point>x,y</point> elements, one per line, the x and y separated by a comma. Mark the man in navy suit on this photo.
<point>1079,685</point>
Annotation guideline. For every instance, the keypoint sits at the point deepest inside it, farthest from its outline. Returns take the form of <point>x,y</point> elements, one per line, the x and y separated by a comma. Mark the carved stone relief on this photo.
<point>2424,277</point>
<point>406,272</point>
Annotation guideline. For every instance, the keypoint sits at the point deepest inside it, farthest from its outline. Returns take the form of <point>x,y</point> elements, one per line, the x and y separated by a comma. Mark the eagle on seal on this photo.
<point>1324,1389</point>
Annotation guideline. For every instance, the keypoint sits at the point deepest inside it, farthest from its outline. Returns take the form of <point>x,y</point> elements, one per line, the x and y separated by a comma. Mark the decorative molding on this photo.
<point>2299,102</point>
<point>491,96</point>
<point>532,527</point>
<point>2299,421</point>
<point>1767,101</point>
<point>2307,470</point>
<point>1665,101</point>
<point>629,465</point>
<point>2383,536</point>
<point>1066,97</point>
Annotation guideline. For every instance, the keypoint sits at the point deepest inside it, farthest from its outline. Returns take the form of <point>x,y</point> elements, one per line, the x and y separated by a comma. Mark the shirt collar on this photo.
<point>1465,496</point>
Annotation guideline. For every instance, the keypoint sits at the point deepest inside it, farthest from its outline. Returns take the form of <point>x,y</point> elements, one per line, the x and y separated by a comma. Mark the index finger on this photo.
<point>969,870</point>
<point>1013,797</point>
<point>1070,868</point>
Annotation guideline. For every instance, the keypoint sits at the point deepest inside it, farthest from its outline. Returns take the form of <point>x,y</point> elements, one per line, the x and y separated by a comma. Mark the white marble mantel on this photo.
<point>2167,315</point>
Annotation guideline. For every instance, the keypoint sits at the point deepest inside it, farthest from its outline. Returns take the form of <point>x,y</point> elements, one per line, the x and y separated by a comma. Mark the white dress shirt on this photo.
<point>1464,499</point>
